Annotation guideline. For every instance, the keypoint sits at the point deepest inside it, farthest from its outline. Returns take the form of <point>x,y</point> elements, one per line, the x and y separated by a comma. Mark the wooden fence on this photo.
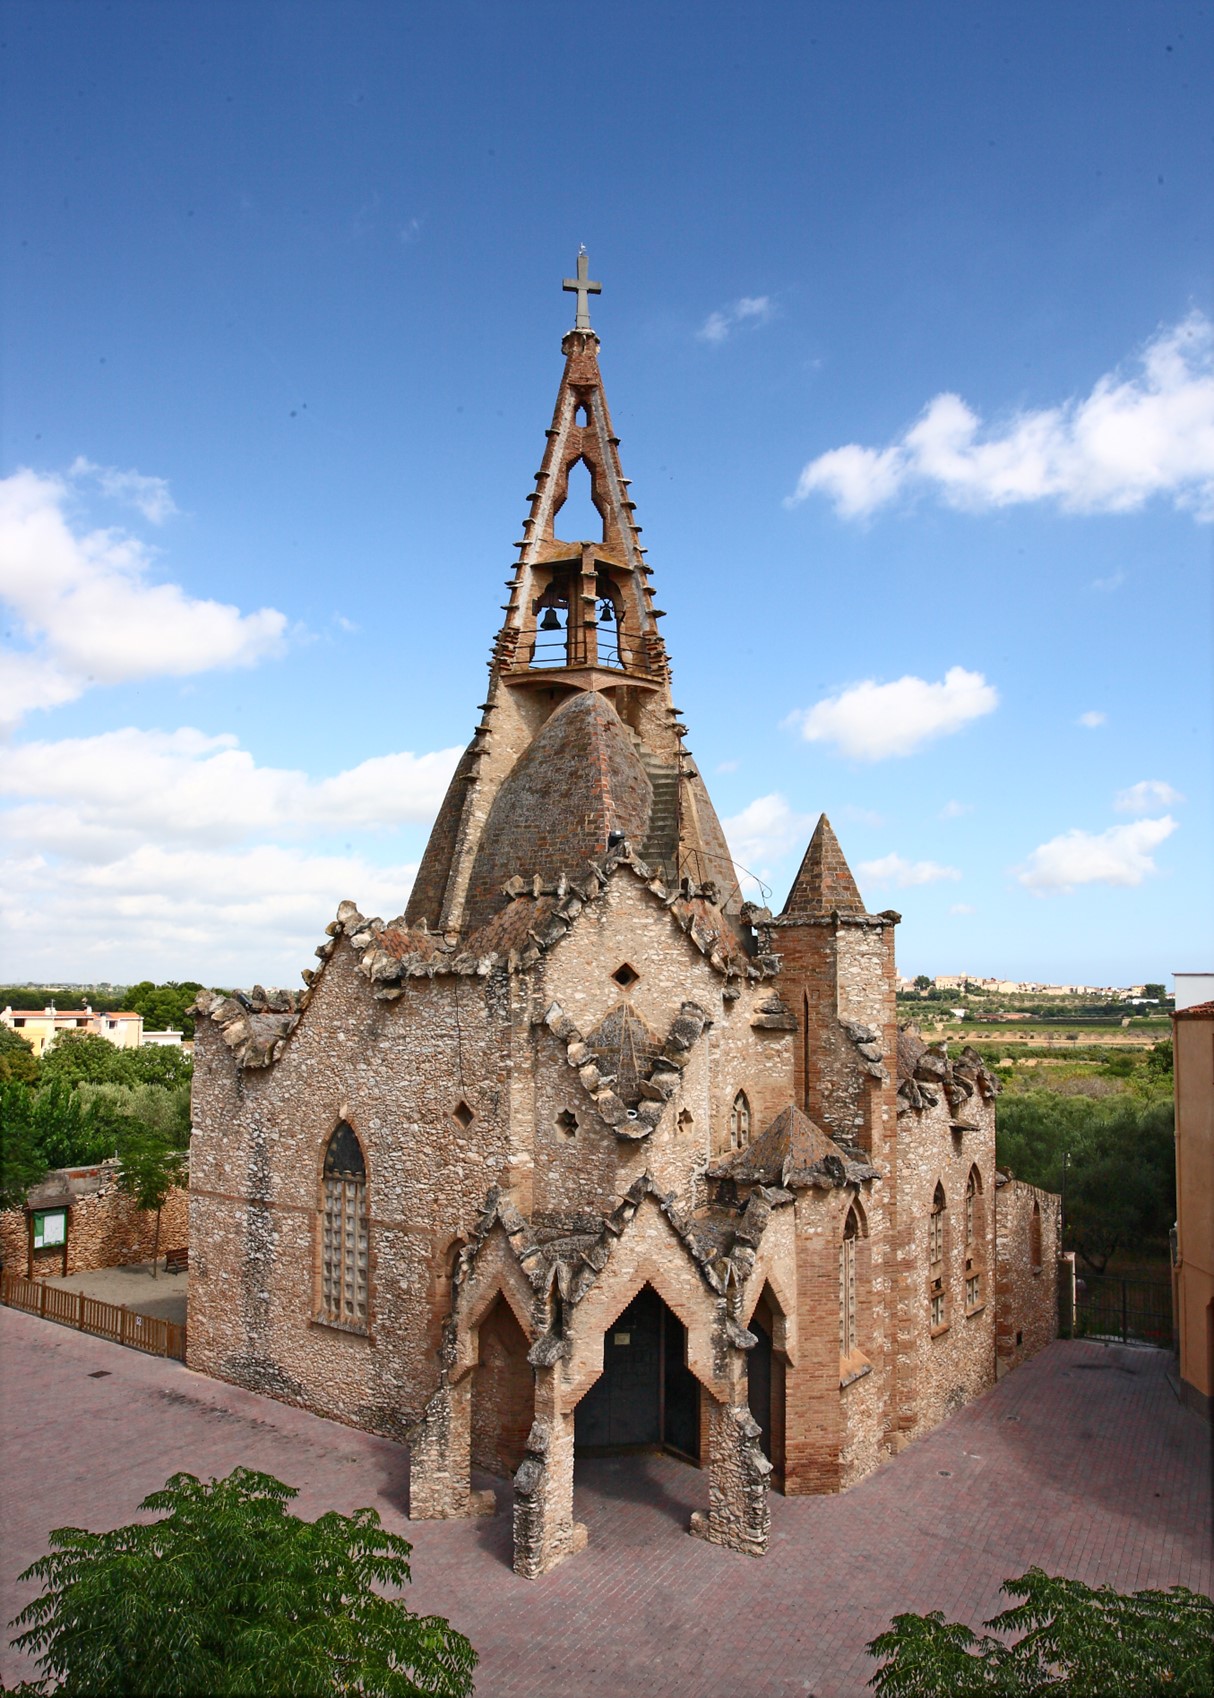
<point>89,1314</point>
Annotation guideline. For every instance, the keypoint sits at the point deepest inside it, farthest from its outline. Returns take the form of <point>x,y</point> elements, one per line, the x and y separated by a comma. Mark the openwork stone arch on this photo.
<point>343,1231</point>
<point>739,1122</point>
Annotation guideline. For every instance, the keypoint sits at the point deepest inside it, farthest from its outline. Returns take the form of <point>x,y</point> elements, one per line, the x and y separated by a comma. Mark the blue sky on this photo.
<point>907,335</point>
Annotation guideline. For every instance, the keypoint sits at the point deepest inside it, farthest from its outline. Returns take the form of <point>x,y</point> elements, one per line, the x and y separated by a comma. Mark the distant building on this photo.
<point>1193,1032</point>
<point>162,1040</point>
<point>41,1026</point>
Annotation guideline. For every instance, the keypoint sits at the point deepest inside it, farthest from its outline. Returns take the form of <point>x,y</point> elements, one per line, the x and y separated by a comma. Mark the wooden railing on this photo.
<point>89,1314</point>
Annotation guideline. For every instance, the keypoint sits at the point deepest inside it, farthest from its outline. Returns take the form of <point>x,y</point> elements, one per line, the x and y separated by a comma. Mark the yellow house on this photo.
<point>41,1026</point>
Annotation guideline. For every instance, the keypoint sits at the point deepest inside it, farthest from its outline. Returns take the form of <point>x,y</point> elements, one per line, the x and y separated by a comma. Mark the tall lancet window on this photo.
<point>343,1259</point>
<point>847,1282</point>
<point>739,1122</point>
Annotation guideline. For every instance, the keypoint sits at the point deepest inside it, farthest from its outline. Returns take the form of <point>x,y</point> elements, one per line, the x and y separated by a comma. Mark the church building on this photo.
<point>583,1151</point>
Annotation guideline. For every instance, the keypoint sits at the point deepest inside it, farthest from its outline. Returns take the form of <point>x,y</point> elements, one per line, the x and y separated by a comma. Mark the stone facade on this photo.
<point>583,1149</point>
<point>104,1228</point>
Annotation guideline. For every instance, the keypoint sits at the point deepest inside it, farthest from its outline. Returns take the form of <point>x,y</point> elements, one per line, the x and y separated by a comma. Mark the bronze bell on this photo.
<point>607,614</point>
<point>550,621</point>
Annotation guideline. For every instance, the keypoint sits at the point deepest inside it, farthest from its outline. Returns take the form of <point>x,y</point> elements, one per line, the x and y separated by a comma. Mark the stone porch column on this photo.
<point>545,1532</point>
<point>739,1515</point>
<point>440,1458</point>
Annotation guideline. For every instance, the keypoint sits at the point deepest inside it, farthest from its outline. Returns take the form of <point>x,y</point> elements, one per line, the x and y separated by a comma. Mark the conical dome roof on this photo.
<point>579,781</point>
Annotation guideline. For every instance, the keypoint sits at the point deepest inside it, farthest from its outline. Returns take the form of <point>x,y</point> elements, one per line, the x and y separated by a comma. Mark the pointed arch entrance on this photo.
<point>646,1397</point>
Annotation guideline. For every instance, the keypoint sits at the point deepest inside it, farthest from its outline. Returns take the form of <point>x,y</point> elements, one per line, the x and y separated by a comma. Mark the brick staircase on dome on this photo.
<point>661,845</point>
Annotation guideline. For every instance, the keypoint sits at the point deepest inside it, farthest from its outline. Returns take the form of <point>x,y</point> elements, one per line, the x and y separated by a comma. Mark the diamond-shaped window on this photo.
<point>625,975</point>
<point>463,1114</point>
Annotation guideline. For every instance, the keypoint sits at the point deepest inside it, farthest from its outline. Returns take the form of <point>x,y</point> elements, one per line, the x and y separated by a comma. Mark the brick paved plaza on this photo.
<point>1081,1461</point>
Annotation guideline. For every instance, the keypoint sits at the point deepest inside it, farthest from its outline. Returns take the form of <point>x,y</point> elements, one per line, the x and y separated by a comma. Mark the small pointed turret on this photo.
<point>824,883</point>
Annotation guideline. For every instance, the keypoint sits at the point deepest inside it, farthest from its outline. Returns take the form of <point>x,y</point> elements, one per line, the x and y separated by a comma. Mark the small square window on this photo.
<point>463,1114</point>
<point>625,975</point>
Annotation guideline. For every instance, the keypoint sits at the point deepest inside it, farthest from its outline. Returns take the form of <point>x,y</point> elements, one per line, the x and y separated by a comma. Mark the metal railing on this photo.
<point>148,1333</point>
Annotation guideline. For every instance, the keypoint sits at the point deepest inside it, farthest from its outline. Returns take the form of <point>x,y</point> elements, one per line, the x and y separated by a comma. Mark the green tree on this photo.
<point>17,1058</point>
<point>78,1056</point>
<point>154,1065</point>
<point>229,1593</point>
<point>151,1166</point>
<point>1161,1061</point>
<point>1159,992</point>
<point>922,982</point>
<point>1072,1640</point>
<point>21,1162</point>
<point>1120,1180</point>
<point>164,1006</point>
<point>66,1131</point>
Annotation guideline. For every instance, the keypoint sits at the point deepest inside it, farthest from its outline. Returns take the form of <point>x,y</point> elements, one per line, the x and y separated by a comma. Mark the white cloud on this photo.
<point>728,766</point>
<point>962,908</point>
<point>148,494</point>
<point>895,869</point>
<point>1092,720</point>
<point>1142,797</point>
<point>1131,439</point>
<point>1113,582</point>
<point>1121,856</point>
<point>749,309</point>
<point>89,613</point>
<point>145,852</point>
<point>765,830</point>
<point>862,816</point>
<point>871,721</point>
<point>183,786</point>
<point>956,810</point>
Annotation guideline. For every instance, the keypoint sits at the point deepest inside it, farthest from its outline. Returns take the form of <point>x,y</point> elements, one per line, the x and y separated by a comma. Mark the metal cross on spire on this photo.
<point>583,287</point>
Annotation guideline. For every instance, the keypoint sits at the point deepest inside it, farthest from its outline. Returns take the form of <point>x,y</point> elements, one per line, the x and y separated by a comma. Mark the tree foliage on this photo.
<point>17,1058</point>
<point>1120,1176</point>
<point>1071,1640</point>
<point>164,1006</point>
<point>229,1593</point>
<point>86,1058</point>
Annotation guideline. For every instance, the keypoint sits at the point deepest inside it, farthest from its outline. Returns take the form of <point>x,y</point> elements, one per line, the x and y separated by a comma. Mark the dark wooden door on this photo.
<point>646,1395</point>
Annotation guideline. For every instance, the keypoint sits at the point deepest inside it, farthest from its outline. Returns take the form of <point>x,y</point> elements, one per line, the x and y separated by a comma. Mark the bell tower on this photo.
<point>579,740</point>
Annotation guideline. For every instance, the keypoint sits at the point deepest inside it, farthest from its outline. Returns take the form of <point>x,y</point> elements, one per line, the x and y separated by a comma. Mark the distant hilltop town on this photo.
<point>1025,987</point>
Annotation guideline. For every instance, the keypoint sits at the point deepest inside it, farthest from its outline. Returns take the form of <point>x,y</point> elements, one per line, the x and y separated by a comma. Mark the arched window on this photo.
<point>739,1122</point>
<point>343,1250</point>
<point>852,1230</point>
<point>935,1231</point>
<point>974,1223</point>
<point>975,1241</point>
<point>935,1256</point>
<point>1035,1238</point>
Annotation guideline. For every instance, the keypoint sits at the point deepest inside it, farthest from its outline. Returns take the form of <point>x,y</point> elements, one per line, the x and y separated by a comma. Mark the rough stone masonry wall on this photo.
<point>1026,1300</point>
<point>105,1230</point>
<point>396,1072</point>
<point>626,925</point>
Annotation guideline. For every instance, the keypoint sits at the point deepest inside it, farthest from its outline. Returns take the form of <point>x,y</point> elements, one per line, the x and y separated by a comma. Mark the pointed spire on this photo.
<point>824,882</point>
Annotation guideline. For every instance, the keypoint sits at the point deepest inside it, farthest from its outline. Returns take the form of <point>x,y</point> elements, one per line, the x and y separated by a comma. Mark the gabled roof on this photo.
<point>824,884</point>
<point>793,1151</point>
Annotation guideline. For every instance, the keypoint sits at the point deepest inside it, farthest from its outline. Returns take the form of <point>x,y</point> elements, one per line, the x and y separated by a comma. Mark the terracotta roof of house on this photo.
<point>1198,1011</point>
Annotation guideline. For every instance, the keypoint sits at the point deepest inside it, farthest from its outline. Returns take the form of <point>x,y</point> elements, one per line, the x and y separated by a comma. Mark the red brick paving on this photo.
<point>1082,1461</point>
